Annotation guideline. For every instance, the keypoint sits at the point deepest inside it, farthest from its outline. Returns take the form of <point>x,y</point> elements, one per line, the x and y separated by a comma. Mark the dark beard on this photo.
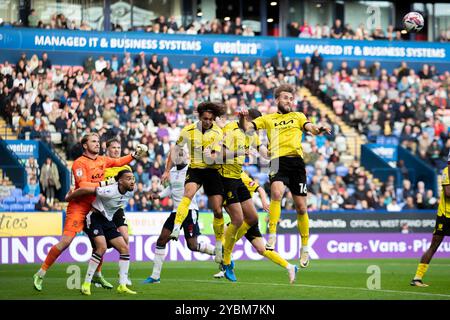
<point>282,109</point>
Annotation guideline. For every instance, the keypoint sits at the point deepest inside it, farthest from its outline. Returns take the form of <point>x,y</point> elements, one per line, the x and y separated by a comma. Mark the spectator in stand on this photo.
<point>32,167</point>
<point>46,63</point>
<point>32,188</point>
<point>100,64</point>
<point>154,65</point>
<point>306,31</point>
<point>49,180</point>
<point>337,31</point>
<point>293,29</point>
<point>42,204</point>
<point>279,62</point>
<point>33,19</point>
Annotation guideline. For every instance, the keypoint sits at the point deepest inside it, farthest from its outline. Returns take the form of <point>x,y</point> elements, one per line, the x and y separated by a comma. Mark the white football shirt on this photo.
<point>175,189</point>
<point>109,200</point>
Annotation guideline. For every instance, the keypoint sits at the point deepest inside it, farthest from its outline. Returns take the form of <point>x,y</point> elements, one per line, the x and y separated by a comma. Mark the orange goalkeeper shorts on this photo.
<point>75,216</point>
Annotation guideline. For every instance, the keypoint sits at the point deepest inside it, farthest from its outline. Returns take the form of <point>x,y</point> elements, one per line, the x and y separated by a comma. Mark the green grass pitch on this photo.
<point>257,280</point>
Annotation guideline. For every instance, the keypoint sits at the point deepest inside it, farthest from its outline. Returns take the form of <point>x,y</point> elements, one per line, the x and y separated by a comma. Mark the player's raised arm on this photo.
<point>243,121</point>
<point>166,174</point>
<point>316,130</point>
<point>80,192</point>
<point>81,177</point>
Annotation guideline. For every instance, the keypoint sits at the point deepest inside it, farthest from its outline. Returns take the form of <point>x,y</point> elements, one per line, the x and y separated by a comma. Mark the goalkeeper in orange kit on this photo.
<point>88,171</point>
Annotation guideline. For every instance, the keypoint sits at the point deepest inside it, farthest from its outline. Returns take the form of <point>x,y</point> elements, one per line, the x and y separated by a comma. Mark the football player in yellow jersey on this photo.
<point>238,201</point>
<point>203,139</point>
<point>287,168</point>
<point>441,229</point>
<point>114,150</point>
<point>254,235</point>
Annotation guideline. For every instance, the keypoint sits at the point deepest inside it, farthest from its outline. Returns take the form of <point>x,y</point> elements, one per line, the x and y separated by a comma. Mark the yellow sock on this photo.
<point>274,215</point>
<point>421,270</point>
<point>303,227</point>
<point>230,240</point>
<point>218,225</point>
<point>182,210</point>
<point>276,258</point>
<point>242,230</point>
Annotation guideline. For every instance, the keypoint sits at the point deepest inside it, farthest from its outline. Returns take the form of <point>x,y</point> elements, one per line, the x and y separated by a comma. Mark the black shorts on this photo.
<point>190,224</point>
<point>253,233</point>
<point>442,227</point>
<point>210,179</point>
<point>291,171</point>
<point>119,218</point>
<point>97,225</point>
<point>235,191</point>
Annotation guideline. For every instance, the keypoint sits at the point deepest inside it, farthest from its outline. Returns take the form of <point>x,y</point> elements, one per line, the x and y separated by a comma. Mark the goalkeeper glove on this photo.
<point>107,182</point>
<point>141,151</point>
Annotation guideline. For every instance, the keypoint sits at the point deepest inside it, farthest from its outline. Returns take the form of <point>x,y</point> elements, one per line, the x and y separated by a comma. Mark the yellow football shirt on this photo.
<point>284,131</point>
<point>234,139</point>
<point>112,172</point>
<point>444,202</point>
<point>197,141</point>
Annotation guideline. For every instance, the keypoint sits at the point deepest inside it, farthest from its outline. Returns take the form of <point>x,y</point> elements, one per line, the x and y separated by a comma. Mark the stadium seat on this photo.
<point>56,137</point>
<point>16,207</point>
<point>34,200</point>
<point>342,171</point>
<point>262,177</point>
<point>16,192</point>
<point>310,170</point>
<point>28,207</point>
<point>4,207</point>
<point>23,200</point>
<point>252,170</point>
<point>9,200</point>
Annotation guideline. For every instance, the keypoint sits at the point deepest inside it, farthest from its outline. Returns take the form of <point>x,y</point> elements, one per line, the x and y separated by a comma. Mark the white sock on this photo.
<point>92,266</point>
<point>124,265</point>
<point>176,226</point>
<point>41,273</point>
<point>160,254</point>
<point>289,266</point>
<point>305,248</point>
<point>205,248</point>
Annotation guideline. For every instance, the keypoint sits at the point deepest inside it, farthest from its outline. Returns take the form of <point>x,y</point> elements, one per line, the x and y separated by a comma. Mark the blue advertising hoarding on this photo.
<point>388,152</point>
<point>67,41</point>
<point>24,149</point>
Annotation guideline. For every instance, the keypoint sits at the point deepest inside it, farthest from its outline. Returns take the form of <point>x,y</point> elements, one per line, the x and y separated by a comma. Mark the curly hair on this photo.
<point>253,114</point>
<point>284,88</point>
<point>217,109</point>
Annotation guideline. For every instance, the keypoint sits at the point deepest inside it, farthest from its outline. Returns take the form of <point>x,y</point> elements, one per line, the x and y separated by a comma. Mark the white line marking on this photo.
<point>319,286</point>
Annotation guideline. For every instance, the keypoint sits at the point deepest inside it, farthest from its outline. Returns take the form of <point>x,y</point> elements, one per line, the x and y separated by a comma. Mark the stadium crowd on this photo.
<point>144,99</point>
<point>338,30</point>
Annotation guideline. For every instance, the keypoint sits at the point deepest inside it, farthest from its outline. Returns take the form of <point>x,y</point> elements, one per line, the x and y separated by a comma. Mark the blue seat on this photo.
<point>16,192</point>
<point>34,200</point>
<point>23,200</point>
<point>9,200</point>
<point>252,170</point>
<point>16,207</point>
<point>28,207</point>
<point>262,178</point>
<point>342,171</point>
<point>4,207</point>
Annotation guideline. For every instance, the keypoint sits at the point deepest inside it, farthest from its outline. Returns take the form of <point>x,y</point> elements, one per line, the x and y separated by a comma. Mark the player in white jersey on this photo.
<point>100,227</point>
<point>175,190</point>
